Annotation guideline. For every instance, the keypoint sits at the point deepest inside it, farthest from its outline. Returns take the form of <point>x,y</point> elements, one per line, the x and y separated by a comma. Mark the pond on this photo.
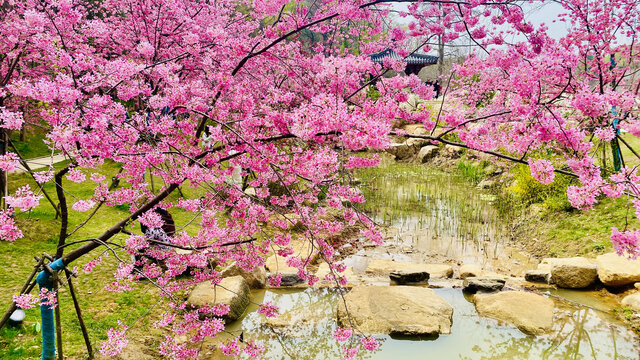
<point>579,332</point>
<point>430,215</point>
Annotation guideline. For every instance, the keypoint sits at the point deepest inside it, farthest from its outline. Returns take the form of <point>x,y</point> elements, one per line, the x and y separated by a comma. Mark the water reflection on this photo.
<point>579,333</point>
<point>440,214</point>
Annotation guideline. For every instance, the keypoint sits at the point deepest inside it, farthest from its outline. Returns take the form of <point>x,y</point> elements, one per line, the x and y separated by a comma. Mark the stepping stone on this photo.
<point>538,276</point>
<point>404,278</point>
<point>529,312</point>
<point>401,310</point>
<point>485,283</point>
<point>257,278</point>
<point>632,302</point>
<point>574,273</point>
<point>385,267</point>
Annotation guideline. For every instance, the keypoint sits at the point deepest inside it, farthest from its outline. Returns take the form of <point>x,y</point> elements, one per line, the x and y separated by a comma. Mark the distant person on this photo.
<point>207,138</point>
<point>436,88</point>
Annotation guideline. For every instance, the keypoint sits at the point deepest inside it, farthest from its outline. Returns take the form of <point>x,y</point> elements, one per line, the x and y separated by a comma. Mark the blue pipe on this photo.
<point>46,313</point>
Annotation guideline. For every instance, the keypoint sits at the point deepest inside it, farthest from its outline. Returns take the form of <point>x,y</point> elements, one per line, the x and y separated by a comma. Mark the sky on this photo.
<point>536,12</point>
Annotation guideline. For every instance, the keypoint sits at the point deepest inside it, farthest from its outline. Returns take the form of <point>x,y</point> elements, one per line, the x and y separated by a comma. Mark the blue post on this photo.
<point>46,313</point>
<point>615,146</point>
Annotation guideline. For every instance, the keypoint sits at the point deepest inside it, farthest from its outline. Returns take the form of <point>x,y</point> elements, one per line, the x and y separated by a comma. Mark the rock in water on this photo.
<point>538,276</point>
<point>615,270</point>
<point>233,291</point>
<point>632,302</point>
<point>257,278</point>
<point>384,267</point>
<point>484,283</point>
<point>402,310</point>
<point>276,265</point>
<point>573,273</point>
<point>402,277</point>
<point>470,270</point>
<point>529,312</point>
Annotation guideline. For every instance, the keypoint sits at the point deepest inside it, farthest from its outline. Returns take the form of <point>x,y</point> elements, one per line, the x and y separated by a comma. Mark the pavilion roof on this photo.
<point>415,58</point>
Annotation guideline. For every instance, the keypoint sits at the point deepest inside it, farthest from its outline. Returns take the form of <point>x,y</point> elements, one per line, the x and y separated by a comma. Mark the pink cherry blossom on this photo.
<point>116,340</point>
<point>370,343</point>
<point>268,309</point>
<point>8,162</point>
<point>342,334</point>
<point>24,199</point>
<point>542,170</point>
<point>9,231</point>
<point>76,175</point>
<point>25,301</point>
<point>83,205</point>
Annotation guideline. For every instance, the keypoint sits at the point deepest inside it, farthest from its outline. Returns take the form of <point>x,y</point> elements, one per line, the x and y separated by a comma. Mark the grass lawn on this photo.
<point>577,233</point>
<point>33,145</point>
<point>101,309</point>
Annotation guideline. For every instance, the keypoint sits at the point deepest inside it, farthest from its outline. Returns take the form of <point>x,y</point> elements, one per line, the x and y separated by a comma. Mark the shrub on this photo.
<point>530,191</point>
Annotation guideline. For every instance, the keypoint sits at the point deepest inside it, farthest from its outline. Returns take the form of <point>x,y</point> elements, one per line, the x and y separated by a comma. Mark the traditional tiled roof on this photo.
<point>414,58</point>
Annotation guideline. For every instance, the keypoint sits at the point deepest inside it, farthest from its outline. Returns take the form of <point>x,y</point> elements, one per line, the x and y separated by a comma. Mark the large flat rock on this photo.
<point>385,267</point>
<point>529,312</point>
<point>615,270</point>
<point>402,310</point>
<point>233,291</point>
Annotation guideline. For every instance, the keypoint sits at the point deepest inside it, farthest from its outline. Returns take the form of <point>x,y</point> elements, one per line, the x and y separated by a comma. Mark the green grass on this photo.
<point>101,308</point>
<point>472,171</point>
<point>576,232</point>
<point>33,145</point>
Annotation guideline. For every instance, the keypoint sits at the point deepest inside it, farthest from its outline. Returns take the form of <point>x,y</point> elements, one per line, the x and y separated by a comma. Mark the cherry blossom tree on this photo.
<point>197,92</point>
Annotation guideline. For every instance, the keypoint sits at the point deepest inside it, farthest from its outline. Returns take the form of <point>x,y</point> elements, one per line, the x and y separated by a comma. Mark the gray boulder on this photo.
<point>632,302</point>
<point>426,153</point>
<point>487,184</point>
<point>385,267</point>
<point>470,270</point>
<point>402,151</point>
<point>452,151</point>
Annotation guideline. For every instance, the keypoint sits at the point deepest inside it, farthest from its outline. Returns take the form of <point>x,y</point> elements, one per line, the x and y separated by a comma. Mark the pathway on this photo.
<point>40,162</point>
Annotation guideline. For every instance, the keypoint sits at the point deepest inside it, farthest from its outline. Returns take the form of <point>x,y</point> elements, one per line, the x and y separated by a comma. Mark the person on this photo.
<point>207,139</point>
<point>436,88</point>
<point>157,236</point>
